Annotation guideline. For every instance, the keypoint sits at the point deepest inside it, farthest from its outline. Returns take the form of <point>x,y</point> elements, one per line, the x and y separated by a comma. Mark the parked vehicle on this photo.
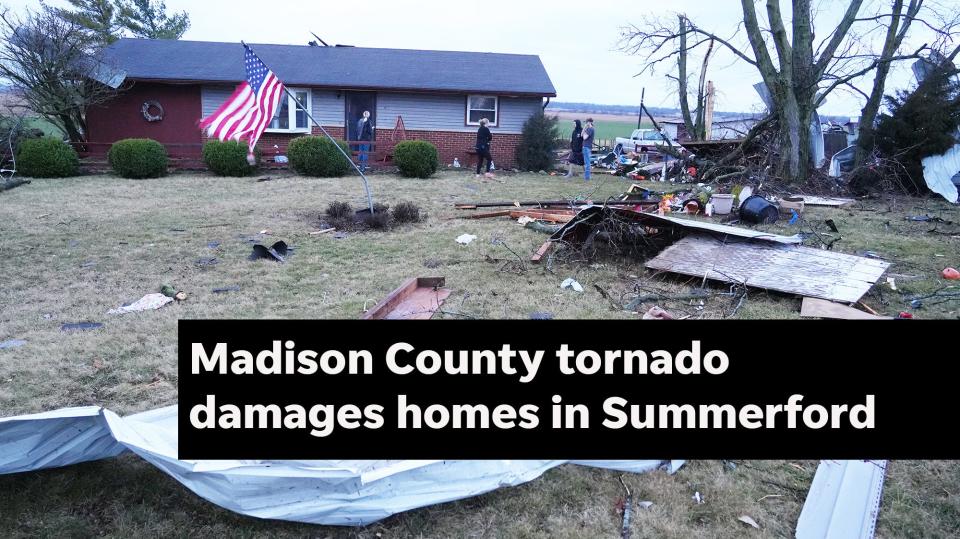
<point>640,138</point>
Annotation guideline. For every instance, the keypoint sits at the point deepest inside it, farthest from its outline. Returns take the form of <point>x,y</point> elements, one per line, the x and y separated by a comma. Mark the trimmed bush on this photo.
<point>47,157</point>
<point>317,156</point>
<point>416,158</point>
<point>138,158</point>
<point>229,158</point>
<point>538,142</point>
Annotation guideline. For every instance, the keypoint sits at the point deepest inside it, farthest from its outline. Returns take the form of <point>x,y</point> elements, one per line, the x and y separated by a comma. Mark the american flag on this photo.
<point>251,107</point>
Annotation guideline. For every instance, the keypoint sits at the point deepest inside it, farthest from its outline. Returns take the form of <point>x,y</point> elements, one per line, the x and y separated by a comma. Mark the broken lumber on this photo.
<point>819,308</point>
<point>416,299</point>
<point>541,252</point>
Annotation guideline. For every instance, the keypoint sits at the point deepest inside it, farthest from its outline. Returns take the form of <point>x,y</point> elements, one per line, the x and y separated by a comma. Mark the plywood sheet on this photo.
<point>416,299</point>
<point>820,308</point>
<point>825,201</point>
<point>791,269</point>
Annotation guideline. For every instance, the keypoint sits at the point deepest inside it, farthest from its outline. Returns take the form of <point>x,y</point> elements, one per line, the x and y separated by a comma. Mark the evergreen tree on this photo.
<point>538,142</point>
<point>97,16</point>
<point>148,19</point>
<point>921,124</point>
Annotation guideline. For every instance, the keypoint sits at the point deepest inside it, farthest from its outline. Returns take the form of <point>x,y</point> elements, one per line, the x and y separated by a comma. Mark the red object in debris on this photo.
<point>951,273</point>
<point>905,316</point>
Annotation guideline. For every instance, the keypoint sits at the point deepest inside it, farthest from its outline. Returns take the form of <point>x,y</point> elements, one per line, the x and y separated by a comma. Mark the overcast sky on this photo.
<point>577,40</point>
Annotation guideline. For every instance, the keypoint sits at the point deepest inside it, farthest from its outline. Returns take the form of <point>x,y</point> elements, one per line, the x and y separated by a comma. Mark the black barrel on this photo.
<point>757,210</point>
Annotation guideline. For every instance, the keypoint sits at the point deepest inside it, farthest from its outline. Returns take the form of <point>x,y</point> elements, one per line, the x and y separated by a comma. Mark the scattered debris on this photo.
<point>11,343</point>
<point>951,274</point>
<point>466,239</point>
<point>213,244</point>
<point>168,291</point>
<point>81,326</point>
<point>416,299</point>
<point>226,289</point>
<point>791,269</point>
<point>656,313</point>
<point>278,251</point>
<point>537,226</point>
<point>644,504</point>
<point>832,225</point>
<point>149,302</point>
<point>324,231</point>
<point>892,283</point>
<point>541,315</point>
<point>749,521</point>
<point>265,179</point>
<point>939,170</point>
<point>340,235</point>
<point>207,261</point>
<point>758,210</point>
<point>572,284</point>
<point>698,498</point>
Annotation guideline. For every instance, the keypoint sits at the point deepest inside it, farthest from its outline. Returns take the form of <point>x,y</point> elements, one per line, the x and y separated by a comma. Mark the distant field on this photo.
<point>608,126</point>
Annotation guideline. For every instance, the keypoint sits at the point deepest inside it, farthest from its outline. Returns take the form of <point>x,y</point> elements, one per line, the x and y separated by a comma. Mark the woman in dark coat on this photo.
<point>484,137</point>
<point>576,148</point>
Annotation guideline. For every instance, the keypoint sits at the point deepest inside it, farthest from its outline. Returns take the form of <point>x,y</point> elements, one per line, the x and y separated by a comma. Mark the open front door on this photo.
<point>355,103</point>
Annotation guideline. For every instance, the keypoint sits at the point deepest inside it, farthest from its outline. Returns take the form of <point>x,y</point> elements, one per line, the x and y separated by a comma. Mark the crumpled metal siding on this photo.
<point>939,170</point>
<point>844,500</point>
<point>339,492</point>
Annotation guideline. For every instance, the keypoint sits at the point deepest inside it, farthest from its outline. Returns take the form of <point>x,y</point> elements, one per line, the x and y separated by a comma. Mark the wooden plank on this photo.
<point>487,215</point>
<point>416,299</point>
<point>791,269</point>
<point>820,308</point>
<point>551,216</point>
<point>824,201</point>
<point>541,252</point>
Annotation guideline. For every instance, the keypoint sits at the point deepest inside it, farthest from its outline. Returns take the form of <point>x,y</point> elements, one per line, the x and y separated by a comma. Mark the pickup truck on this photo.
<point>640,138</point>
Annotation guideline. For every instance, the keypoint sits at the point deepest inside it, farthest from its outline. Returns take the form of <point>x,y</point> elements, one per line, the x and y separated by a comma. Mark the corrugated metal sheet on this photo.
<point>340,492</point>
<point>335,67</point>
<point>844,500</point>
<point>795,270</point>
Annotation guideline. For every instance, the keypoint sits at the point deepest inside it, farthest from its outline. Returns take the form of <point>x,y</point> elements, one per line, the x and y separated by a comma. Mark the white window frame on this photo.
<point>496,109</point>
<point>291,111</point>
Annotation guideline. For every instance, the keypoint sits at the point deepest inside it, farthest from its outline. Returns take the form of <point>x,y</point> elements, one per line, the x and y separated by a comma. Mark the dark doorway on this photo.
<point>355,103</point>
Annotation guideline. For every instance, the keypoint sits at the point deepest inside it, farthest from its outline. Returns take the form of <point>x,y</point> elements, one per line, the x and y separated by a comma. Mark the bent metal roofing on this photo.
<point>336,67</point>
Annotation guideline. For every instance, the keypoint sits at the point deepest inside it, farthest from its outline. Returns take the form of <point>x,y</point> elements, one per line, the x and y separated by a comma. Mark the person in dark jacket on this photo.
<point>484,138</point>
<point>364,134</point>
<point>576,148</point>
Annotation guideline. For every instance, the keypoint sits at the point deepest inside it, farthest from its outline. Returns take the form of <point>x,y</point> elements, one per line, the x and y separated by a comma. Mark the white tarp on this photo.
<point>939,170</point>
<point>340,492</point>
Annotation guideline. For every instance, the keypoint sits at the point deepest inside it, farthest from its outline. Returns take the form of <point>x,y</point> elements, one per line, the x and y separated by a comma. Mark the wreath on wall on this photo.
<point>152,111</point>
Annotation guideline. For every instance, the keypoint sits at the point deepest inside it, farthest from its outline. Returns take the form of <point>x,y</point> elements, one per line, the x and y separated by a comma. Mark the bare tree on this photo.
<point>52,63</point>
<point>696,125</point>
<point>798,71</point>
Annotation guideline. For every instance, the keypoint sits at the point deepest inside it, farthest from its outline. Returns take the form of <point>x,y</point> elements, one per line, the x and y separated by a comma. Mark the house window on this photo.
<point>482,106</point>
<point>290,117</point>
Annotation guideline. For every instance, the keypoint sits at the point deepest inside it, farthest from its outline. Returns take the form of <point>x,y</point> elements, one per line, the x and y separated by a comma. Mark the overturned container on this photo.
<point>758,210</point>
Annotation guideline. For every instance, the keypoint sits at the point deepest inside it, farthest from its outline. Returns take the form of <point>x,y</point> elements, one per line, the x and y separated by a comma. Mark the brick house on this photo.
<point>440,96</point>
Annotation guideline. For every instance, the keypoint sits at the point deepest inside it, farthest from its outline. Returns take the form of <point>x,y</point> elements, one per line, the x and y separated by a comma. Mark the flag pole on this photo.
<point>366,185</point>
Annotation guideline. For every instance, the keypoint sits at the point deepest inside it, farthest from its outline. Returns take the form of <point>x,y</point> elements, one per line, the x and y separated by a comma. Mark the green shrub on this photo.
<point>317,156</point>
<point>47,157</point>
<point>416,158</point>
<point>138,158</point>
<point>229,158</point>
<point>538,142</point>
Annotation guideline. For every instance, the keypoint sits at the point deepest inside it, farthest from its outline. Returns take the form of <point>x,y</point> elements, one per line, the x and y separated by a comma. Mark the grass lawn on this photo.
<point>72,249</point>
<point>606,128</point>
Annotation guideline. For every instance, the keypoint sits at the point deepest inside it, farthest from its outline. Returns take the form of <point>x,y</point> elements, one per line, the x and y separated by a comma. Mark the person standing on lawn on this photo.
<point>576,148</point>
<point>588,133</point>
<point>484,138</point>
<point>364,135</point>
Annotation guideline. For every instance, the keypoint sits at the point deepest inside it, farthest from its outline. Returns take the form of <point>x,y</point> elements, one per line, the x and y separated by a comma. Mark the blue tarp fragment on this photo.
<point>333,492</point>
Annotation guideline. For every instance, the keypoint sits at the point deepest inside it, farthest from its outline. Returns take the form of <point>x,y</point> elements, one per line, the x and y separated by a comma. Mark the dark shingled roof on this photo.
<point>335,67</point>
